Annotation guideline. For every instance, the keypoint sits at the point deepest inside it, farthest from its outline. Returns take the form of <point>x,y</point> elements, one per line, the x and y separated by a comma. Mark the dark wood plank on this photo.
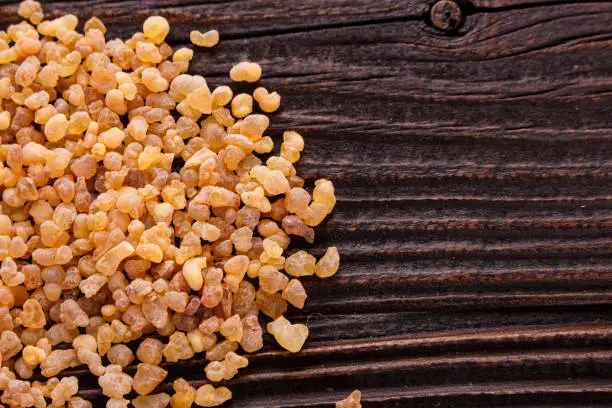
<point>484,5</point>
<point>473,173</point>
<point>238,19</point>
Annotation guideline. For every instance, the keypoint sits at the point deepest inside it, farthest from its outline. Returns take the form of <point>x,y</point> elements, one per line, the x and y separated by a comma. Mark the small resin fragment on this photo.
<point>151,401</point>
<point>246,71</point>
<point>352,401</point>
<point>328,264</point>
<point>209,396</point>
<point>290,336</point>
<point>207,39</point>
<point>147,377</point>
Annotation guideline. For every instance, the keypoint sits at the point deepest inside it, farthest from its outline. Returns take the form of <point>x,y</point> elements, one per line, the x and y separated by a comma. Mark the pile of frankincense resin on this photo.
<point>135,209</point>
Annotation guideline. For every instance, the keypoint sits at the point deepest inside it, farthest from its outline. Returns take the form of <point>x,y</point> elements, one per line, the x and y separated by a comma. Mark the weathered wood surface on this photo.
<point>473,172</point>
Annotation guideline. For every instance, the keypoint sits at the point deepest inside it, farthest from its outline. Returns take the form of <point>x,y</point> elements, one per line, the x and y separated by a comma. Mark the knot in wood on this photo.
<point>446,15</point>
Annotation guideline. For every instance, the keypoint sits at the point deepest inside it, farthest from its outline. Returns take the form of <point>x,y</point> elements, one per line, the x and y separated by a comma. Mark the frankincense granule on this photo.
<point>134,203</point>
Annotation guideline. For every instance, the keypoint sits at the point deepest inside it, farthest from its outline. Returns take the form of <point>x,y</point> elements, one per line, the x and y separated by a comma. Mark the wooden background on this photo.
<point>473,172</point>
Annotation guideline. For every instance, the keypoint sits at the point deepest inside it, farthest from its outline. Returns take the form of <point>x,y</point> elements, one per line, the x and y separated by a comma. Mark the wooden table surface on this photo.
<point>473,171</point>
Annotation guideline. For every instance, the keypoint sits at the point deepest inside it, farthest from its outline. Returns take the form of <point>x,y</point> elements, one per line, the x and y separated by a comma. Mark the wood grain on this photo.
<point>473,171</point>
